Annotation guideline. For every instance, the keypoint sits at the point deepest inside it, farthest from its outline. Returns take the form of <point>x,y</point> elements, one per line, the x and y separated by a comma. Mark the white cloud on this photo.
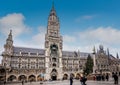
<point>87,39</point>
<point>106,35</point>
<point>85,17</point>
<point>15,22</point>
<point>39,38</point>
<point>67,38</point>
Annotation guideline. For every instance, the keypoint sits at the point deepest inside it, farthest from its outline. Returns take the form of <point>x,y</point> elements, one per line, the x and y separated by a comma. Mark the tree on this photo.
<point>88,65</point>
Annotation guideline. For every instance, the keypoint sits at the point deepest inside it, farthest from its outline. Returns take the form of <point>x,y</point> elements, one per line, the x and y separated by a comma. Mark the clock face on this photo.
<point>54,49</point>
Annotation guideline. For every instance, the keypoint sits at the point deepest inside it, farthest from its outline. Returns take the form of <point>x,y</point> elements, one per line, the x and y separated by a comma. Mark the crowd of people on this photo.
<point>99,77</point>
<point>83,80</point>
<point>102,77</point>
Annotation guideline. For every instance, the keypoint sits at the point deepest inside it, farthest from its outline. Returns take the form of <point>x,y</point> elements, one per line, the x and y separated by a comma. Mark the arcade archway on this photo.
<point>12,78</point>
<point>77,76</point>
<point>40,77</point>
<point>32,78</point>
<point>22,77</point>
<point>65,77</point>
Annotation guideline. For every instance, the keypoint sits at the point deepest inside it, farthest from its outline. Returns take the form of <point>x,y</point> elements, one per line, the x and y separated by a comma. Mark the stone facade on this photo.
<point>31,64</point>
<point>105,62</point>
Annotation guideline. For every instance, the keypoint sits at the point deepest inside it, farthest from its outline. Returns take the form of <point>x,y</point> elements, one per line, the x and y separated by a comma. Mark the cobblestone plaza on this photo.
<point>66,82</point>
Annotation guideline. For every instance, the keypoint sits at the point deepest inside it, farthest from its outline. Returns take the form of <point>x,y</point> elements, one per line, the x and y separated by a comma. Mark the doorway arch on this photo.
<point>54,74</point>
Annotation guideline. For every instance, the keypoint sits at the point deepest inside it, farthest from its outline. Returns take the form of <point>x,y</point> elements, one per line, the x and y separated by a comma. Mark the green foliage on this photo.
<point>88,66</point>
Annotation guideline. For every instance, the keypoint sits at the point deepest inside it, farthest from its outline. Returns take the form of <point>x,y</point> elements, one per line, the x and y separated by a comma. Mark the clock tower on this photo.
<point>53,47</point>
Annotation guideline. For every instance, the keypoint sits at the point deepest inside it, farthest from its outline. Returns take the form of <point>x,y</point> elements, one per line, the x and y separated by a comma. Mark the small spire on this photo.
<point>10,32</point>
<point>108,52</point>
<point>94,51</point>
<point>9,40</point>
<point>117,56</point>
<point>10,35</point>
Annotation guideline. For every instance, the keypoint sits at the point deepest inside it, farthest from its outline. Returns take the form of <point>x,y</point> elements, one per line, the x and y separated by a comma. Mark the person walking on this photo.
<point>83,80</point>
<point>22,82</point>
<point>107,76</point>
<point>115,76</point>
<point>71,80</point>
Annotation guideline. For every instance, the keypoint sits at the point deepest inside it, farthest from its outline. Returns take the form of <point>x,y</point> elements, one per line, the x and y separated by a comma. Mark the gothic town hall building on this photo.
<point>51,62</point>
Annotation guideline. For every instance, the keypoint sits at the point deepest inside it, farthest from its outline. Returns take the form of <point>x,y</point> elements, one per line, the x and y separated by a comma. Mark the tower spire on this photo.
<point>53,23</point>
<point>9,43</point>
<point>53,12</point>
<point>53,5</point>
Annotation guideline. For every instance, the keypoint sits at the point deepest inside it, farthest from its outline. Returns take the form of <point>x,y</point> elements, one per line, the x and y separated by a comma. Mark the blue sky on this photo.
<point>83,23</point>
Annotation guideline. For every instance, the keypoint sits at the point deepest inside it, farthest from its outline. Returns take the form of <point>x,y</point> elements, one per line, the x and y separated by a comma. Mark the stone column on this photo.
<point>36,77</point>
<point>94,64</point>
<point>27,78</point>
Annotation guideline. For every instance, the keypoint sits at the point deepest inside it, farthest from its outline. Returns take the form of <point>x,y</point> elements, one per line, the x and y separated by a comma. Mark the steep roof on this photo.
<point>26,50</point>
<point>42,52</point>
<point>75,54</point>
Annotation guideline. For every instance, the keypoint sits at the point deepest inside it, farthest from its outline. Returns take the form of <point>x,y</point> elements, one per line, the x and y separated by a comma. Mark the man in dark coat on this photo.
<point>115,76</point>
<point>83,80</point>
<point>71,80</point>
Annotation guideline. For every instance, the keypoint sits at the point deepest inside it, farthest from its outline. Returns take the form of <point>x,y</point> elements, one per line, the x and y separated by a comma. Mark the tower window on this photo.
<point>54,59</point>
<point>54,64</point>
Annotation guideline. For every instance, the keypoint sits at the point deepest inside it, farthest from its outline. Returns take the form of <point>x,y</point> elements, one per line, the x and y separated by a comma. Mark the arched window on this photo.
<point>54,64</point>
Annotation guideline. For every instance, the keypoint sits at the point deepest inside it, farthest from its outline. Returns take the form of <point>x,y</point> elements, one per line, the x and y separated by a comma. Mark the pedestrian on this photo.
<point>22,82</point>
<point>115,76</point>
<point>103,77</point>
<point>71,80</point>
<point>83,80</point>
<point>107,77</point>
